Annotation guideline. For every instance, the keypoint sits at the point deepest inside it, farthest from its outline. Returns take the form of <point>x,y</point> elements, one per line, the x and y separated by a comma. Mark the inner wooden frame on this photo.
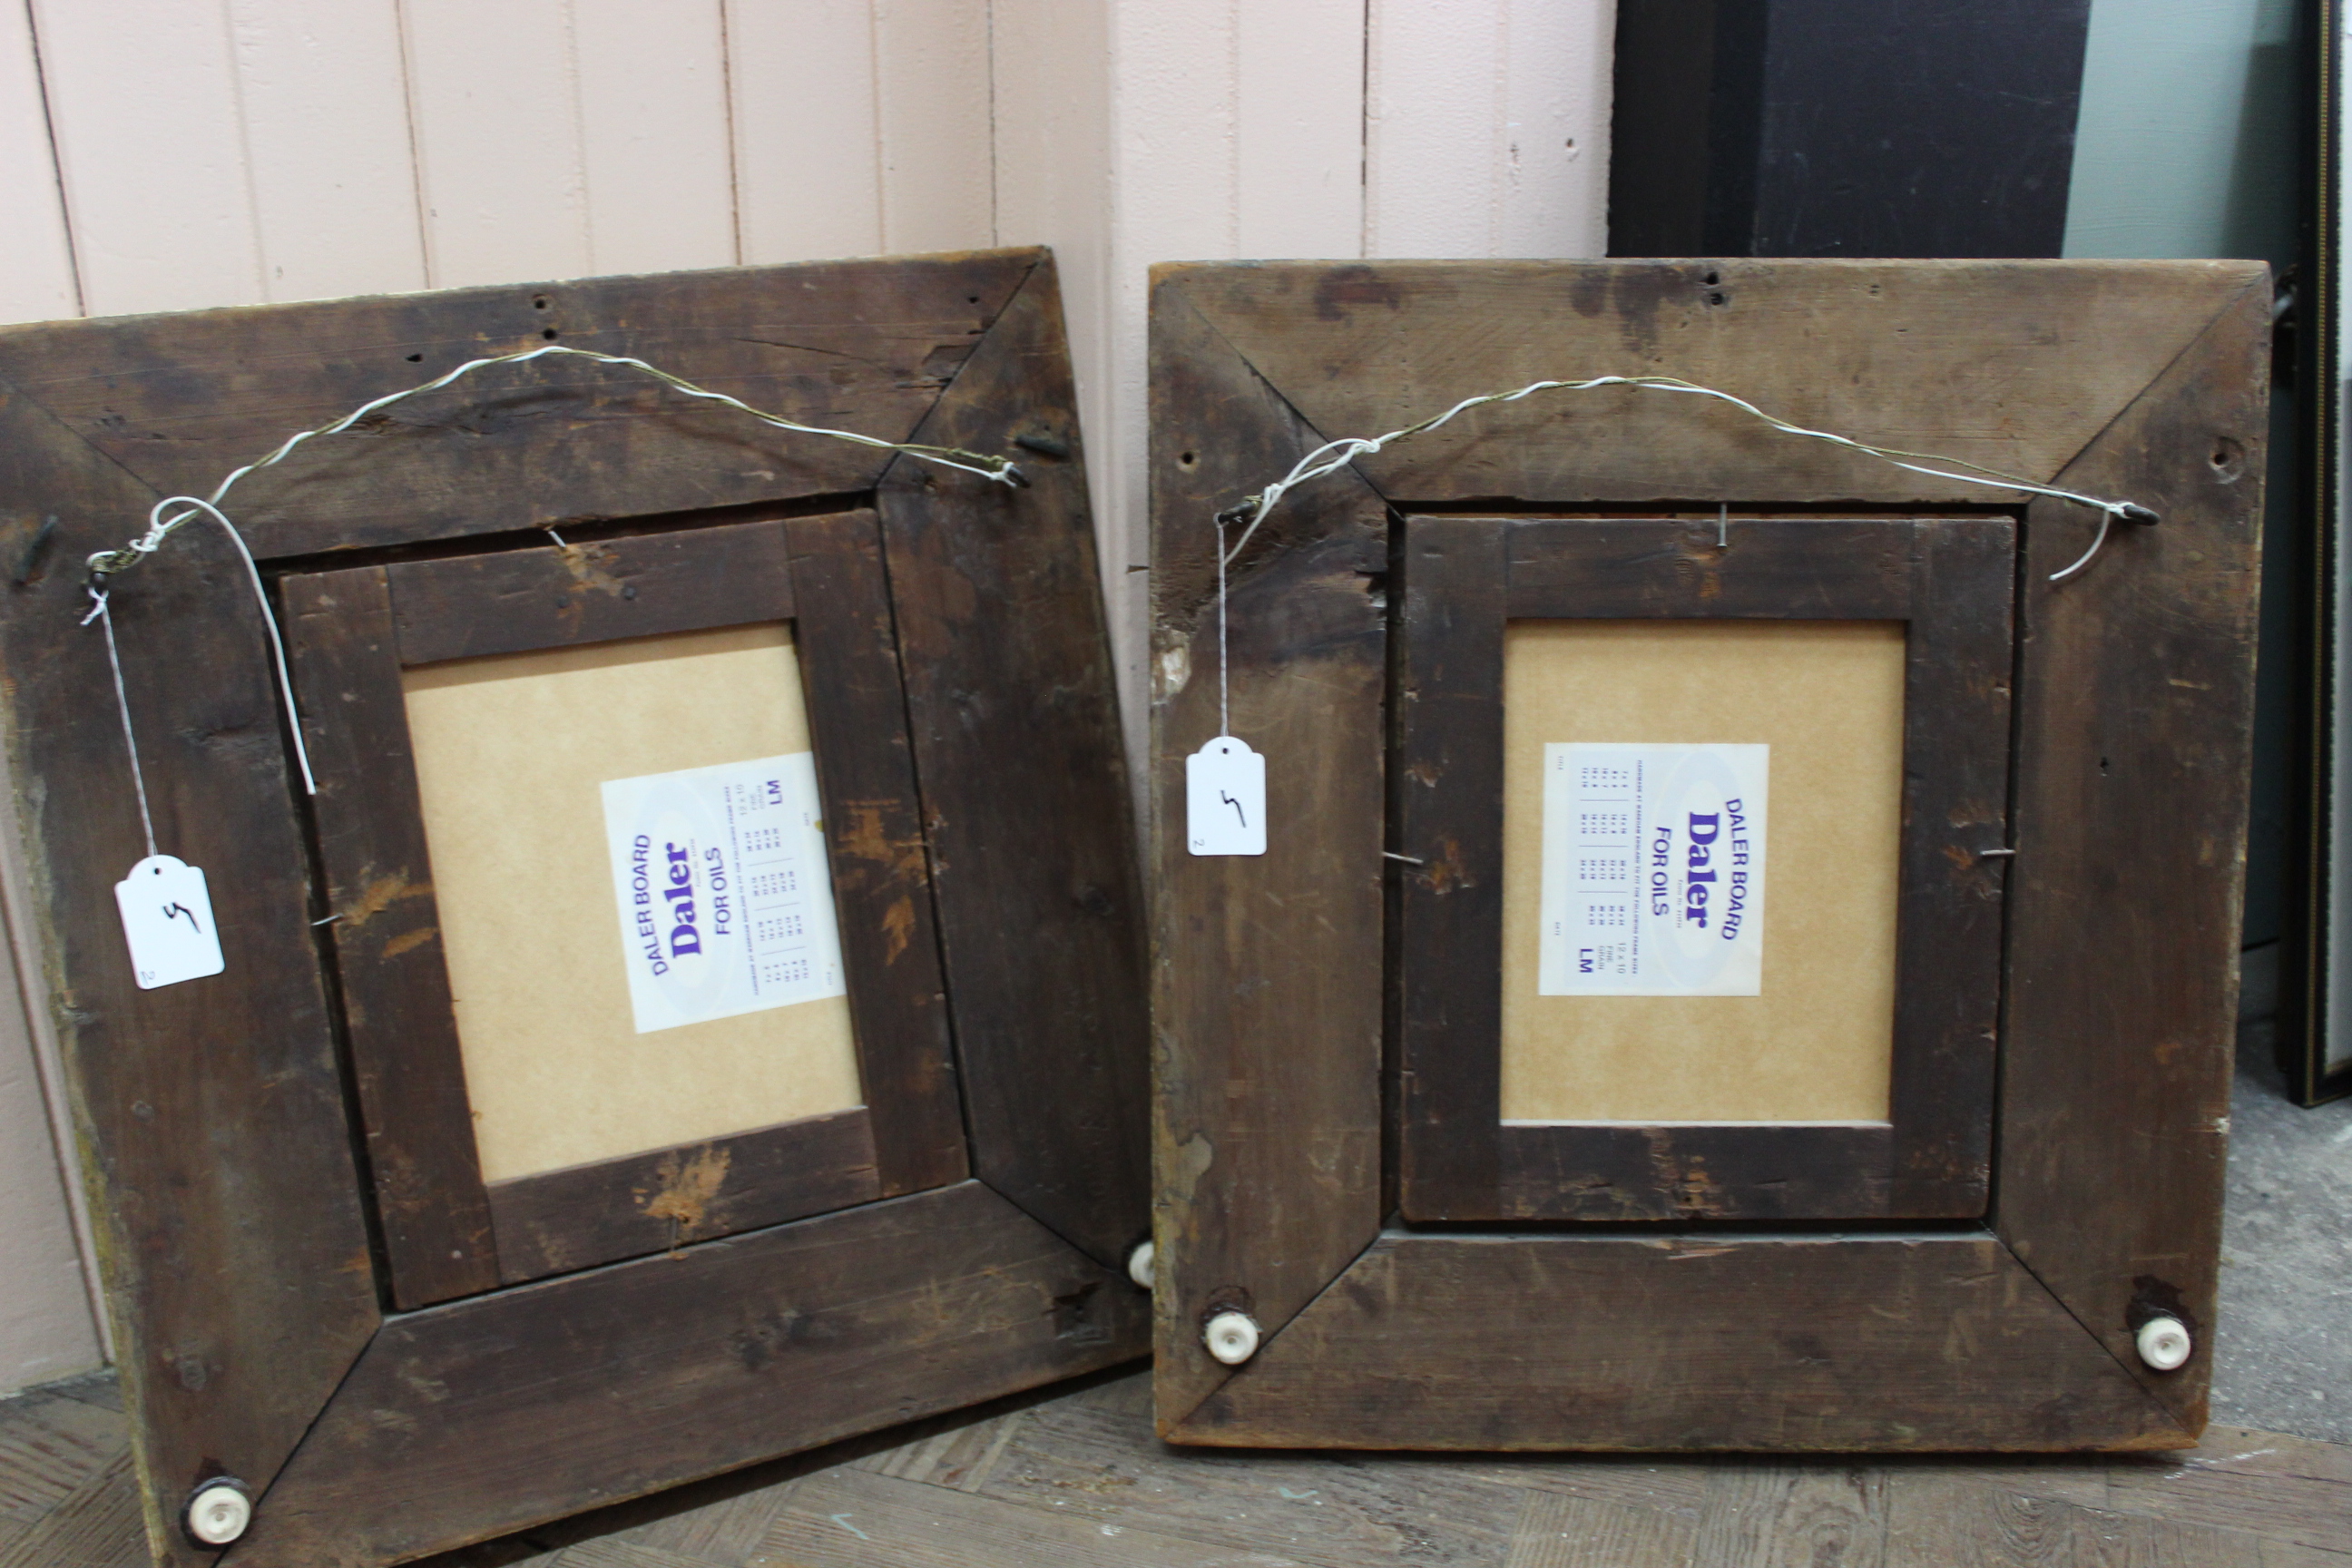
<point>1464,578</point>
<point>350,634</point>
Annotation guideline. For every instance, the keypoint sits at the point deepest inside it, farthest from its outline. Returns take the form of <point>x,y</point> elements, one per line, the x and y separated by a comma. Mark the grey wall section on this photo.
<point>2187,146</point>
<point>1824,128</point>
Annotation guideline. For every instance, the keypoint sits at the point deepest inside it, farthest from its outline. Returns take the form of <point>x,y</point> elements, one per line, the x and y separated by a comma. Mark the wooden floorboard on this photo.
<point>1074,1479</point>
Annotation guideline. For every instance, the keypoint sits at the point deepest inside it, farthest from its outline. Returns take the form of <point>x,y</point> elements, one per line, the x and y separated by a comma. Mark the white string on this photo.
<point>1224,697</point>
<point>159,528</point>
<point>122,706</point>
<point>1333,456</point>
<point>269,621</point>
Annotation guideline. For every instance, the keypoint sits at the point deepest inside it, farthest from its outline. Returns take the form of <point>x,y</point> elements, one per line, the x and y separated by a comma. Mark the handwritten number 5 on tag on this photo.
<point>167,919</point>
<point>1224,799</point>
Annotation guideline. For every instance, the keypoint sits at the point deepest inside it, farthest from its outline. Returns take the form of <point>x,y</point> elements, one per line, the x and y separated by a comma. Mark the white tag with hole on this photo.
<point>167,919</point>
<point>1224,799</point>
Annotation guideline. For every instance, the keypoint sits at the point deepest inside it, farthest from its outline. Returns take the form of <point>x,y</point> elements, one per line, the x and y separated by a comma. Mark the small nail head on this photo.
<point>1139,1264</point>
<point>219,1512</point>
<point>2163,1343</point>
<point>1232,1337</point>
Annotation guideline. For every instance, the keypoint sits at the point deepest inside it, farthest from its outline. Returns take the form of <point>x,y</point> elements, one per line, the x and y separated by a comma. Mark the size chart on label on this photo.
<point>725,898</point>
<point>1652,870</point>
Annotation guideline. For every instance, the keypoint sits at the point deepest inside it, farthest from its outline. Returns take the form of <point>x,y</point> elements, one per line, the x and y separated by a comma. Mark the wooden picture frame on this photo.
<point>1948,580</point>
<point>1284,1011</point>
<point>349,632</point>
<point>312,1290</point>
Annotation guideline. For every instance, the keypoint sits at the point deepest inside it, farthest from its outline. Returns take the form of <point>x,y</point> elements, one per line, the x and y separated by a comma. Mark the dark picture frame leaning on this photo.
<point>312,1293</point>
<point>2011,1322</point>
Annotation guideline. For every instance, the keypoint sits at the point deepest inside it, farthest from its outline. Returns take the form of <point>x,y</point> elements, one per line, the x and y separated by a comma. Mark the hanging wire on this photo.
<point>1333,456</point>
<point>122,706</point>
<point>167,515</point>
<point>161,527</point>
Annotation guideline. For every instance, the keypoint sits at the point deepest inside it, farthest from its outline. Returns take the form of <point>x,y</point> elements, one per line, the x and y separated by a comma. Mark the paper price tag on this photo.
<point>1224,799</point>
<point>167,919</point>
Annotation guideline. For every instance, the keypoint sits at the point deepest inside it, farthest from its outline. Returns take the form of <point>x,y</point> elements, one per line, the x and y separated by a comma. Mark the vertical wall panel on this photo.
<point>46,1328</point>
<point>1174,184</point>
<point>1299,166</point>
<point>150,145</point>
<point>1553,188</point>
<point>1470,106</point>
<point>807,142</point>
<point>932,91</point>
<point>1051,141</point>
<point>326,134</point>
<point>36,279</point>
<point>498,139</point>
<point>1238,129</point>
<point>1434,126</point>
<point>1052,145</point>
<point>660,174</point>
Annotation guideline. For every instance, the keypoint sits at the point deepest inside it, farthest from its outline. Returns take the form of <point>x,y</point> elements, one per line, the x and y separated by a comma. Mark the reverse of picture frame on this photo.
<point>650,749</point>
<point>1750,768</point>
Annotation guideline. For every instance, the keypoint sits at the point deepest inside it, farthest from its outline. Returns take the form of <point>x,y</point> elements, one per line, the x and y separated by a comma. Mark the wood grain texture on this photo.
<point>1074,1476</point>
<point>1790,569</point>
<point>587,1215</point>
<point>1580,1532</point>
<point>211,1114</point>
<point>407,1063</point>
<point>1694,1342</point>
<point>466,606</point>
<point>215,1114</point>
<point>1447,720</point>
<point>881,867</point>
<point>517,1407</point>
<point>1267,970</point>
<point>1015,725</point>
<point>1951,579</point>
<point>1792,1516</point>
<point>181,400</point>
<point>437,1221</point>
<point>1100,1461</point>
<point>1956,772</point>
<point>1892,350</point>
<point>2109,1192</point>
<point>2134,706</point>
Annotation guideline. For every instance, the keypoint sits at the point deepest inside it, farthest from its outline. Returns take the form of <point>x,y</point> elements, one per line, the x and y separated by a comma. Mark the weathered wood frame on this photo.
<point>253,1325</point>
<point>1464,579</point>
<point>1273,1148</point>
<point>350,632</point>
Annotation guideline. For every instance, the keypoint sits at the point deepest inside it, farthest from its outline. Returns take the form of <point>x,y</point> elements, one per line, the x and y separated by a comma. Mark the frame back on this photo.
<point>319,1289</point>
<point>1332,1154</point>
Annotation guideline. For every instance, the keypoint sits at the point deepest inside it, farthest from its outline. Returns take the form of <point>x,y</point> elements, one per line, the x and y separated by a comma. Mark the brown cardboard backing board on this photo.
<point>510,751</point>
<point>1815,1046</point>
<point>236,1186</point>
